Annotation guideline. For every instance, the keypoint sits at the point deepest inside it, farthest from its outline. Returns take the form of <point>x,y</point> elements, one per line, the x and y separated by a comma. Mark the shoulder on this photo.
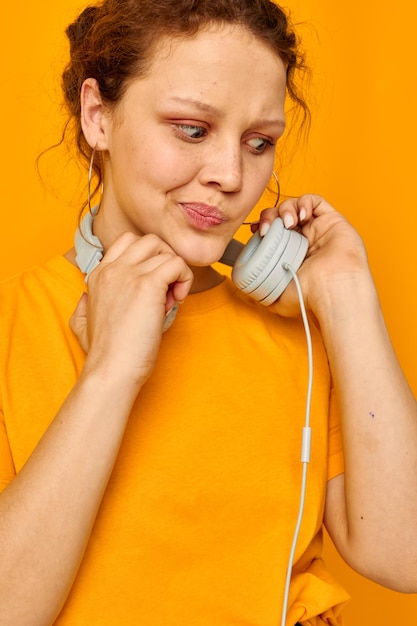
<point>39,287</point>
<point>56,272</point>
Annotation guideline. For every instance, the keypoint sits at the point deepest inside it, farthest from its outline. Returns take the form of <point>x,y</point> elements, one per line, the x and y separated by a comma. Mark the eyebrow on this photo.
<point>208,108</point>
<point>203,106</point>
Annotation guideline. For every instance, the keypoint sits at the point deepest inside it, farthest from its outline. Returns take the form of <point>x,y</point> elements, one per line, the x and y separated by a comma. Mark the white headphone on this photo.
<point>260,267</point>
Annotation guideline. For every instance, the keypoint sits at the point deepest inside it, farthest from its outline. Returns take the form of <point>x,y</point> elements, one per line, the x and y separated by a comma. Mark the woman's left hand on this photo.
<point>371,510</point>
<point>336,251</point>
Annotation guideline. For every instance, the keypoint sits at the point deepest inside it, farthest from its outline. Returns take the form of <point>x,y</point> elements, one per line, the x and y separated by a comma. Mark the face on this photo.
<point>190,148</point>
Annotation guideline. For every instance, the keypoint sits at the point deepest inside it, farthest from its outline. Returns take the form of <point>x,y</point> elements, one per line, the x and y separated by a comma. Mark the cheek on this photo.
<point>162,167</point>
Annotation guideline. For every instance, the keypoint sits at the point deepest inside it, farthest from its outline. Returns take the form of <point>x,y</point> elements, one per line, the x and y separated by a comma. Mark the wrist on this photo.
<point>112,379</point>
<point>343,297</point>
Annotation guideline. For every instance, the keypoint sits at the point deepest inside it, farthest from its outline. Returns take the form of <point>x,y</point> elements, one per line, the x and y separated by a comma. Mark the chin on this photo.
<point>201,261</point>
<point>201,255</point>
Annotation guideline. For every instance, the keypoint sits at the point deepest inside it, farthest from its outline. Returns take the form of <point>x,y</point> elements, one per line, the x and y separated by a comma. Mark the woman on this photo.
<point>153,477</point>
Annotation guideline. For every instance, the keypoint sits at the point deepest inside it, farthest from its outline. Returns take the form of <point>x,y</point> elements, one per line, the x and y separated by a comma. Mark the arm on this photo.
<point>47,512</point>
<point>371,511</point>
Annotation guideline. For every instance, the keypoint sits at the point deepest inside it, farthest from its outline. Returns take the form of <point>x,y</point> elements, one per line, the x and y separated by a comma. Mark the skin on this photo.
<point>371,509</point>
<point>160,253</point>
<point>189,111</point>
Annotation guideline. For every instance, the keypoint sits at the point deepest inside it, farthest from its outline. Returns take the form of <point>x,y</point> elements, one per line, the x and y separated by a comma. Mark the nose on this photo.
<point>223,167</point>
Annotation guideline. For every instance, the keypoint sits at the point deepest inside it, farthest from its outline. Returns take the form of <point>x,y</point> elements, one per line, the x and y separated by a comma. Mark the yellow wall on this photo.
<point>361,156</point>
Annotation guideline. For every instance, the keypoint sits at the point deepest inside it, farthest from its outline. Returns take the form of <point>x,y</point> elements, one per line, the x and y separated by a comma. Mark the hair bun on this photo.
<point>78,30</point>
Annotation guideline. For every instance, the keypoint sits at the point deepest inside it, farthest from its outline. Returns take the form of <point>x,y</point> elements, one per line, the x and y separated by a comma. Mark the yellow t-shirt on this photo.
<point>197,521</point>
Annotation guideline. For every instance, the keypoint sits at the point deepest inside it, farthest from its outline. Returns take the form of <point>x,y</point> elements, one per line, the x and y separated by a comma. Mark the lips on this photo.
<point>203,216</point>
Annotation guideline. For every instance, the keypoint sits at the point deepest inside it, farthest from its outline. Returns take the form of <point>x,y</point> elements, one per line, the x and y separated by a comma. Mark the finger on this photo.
<point>163,278</point>
<point>134,248</point>
<point>166,268</point>
<point>141,254</point>
<point>266,218</point>
<point>181,288</point>
<point>175,277</point>
<point>308,205</point>
<point>294,211</point>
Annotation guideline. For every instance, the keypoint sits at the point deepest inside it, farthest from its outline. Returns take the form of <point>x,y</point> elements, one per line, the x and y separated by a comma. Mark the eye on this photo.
<point>191,132</point>
<point>258,145</point>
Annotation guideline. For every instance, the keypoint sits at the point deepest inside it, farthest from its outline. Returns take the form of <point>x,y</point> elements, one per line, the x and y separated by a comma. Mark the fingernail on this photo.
<point>303,214</point>
<point>288,220</point>
<point>170,317</point>
<point>264,229</point>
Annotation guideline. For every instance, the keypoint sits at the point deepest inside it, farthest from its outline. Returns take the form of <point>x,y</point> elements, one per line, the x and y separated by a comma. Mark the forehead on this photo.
<point>221,62</point>
<point>216,43</point>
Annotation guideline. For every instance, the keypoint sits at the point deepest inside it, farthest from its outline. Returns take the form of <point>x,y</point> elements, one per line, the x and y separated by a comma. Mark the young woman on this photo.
<point>150,475</point>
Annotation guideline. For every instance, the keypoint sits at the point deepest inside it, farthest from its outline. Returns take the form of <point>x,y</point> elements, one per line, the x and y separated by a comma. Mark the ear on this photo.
<point>94,122</point>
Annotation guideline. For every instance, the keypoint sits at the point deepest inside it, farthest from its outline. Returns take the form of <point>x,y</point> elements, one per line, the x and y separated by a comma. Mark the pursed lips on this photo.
<point>202,215</point>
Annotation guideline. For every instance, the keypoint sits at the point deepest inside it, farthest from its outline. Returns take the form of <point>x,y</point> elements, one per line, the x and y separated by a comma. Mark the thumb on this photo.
<point>78,322</point>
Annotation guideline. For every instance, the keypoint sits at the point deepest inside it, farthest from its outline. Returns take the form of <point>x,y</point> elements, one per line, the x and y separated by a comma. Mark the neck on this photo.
<point>205,278</point>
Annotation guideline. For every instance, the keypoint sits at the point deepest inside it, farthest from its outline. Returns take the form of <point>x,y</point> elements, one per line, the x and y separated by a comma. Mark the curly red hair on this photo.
<point>114,41</point>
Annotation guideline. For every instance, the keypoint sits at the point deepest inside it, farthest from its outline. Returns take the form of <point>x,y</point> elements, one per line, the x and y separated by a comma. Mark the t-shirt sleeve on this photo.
<point>7,470</point>
<point>336,464</point>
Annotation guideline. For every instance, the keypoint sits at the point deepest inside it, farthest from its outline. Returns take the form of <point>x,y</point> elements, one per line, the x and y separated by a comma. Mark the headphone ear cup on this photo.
<point>260,268</point>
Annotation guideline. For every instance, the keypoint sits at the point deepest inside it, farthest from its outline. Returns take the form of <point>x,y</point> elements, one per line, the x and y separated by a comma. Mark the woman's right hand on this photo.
<point>119,323</point>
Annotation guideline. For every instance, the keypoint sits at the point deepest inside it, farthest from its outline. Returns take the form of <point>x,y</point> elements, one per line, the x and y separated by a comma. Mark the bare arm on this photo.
<point>47,512</point>
<point>371,514</point>
<point>371,511</point>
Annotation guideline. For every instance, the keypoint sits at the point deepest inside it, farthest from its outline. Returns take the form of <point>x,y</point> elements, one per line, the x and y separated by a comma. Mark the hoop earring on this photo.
<point>278,190</point>
<point>90,177</point>
<point>276,201</point>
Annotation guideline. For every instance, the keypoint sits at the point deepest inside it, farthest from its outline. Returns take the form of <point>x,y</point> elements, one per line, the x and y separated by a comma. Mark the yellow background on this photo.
<point>361,156</point>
